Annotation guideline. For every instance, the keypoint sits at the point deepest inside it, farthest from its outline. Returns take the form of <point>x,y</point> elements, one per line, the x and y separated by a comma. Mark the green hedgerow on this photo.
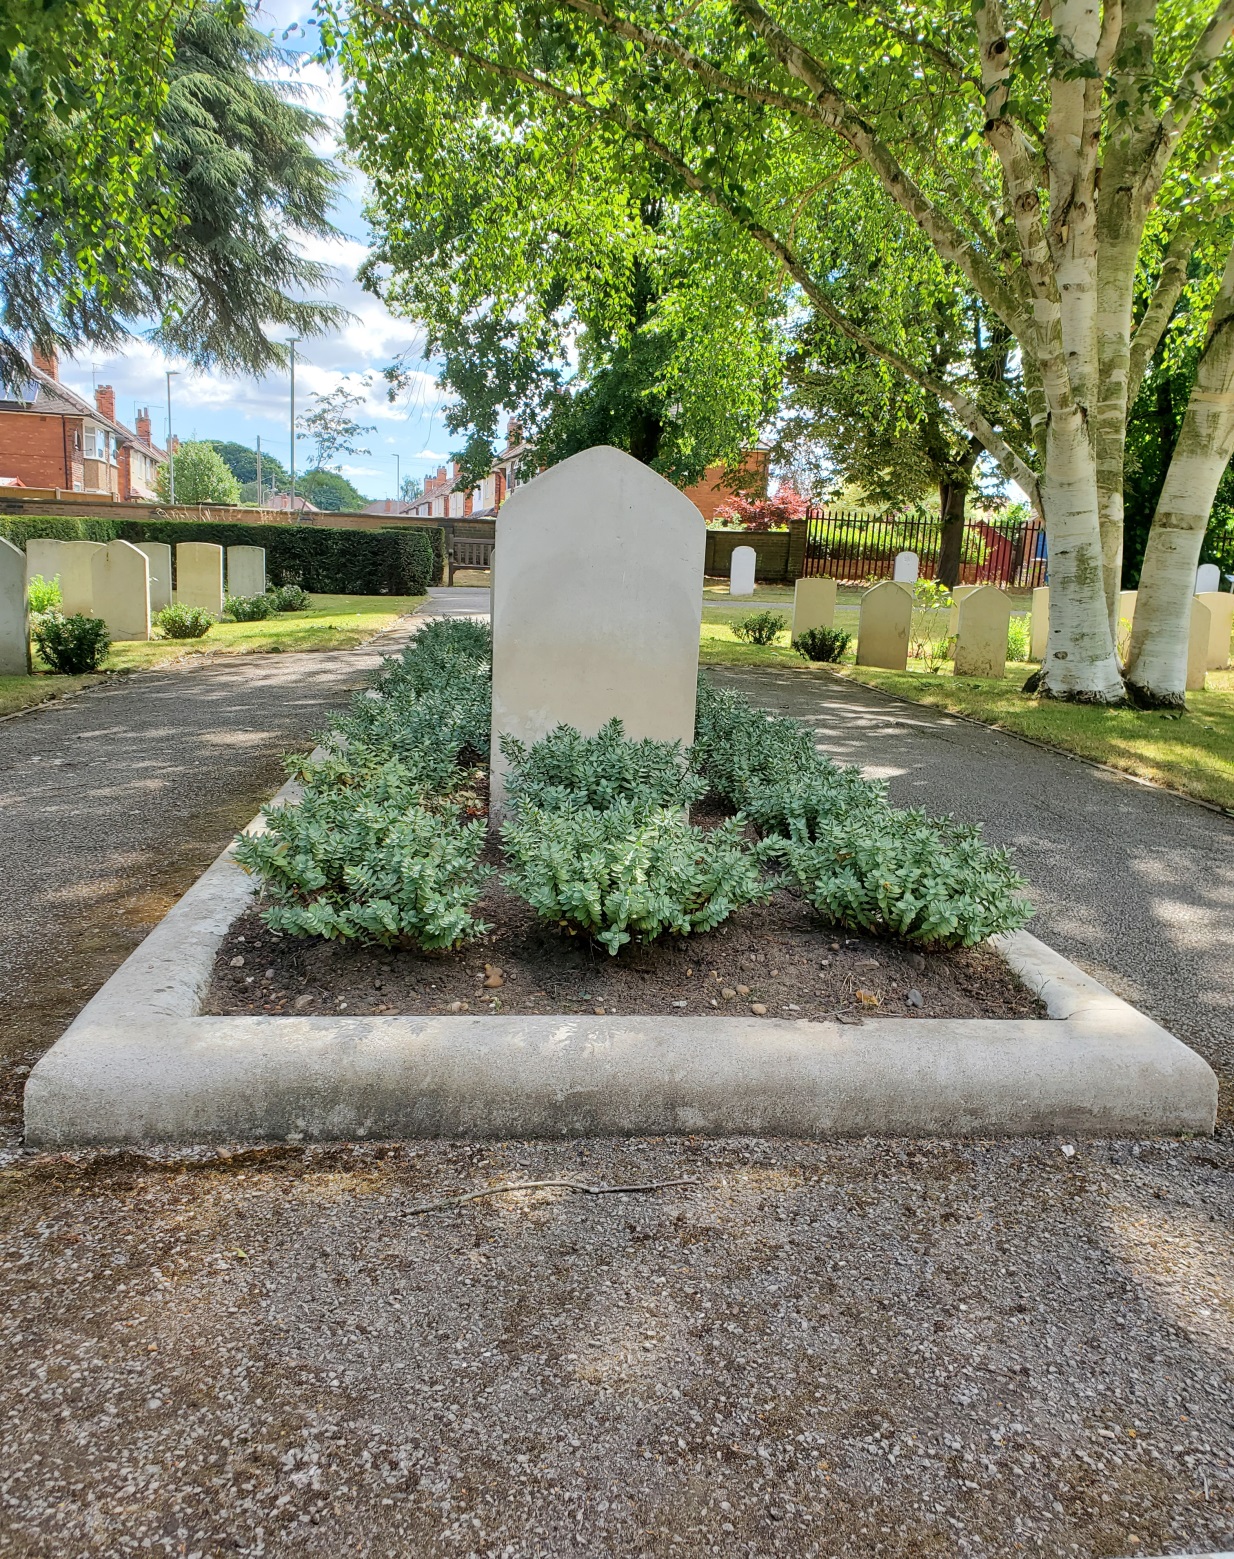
<point>183,622</point>
<point>363,865</point>
<point>72,645</point>
<point>759,627</point>
<point>248,608</point>
<point>629,872</point>
<point>567,769</point>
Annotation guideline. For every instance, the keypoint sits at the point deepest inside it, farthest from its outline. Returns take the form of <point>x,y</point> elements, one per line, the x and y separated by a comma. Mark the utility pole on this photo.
<point>398,485</point>
<point>291,491</point>
<point>172,373</point>
<point>259,470</point>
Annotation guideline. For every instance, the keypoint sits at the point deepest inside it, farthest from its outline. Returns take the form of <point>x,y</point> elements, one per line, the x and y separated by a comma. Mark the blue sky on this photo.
<point>213,406</point>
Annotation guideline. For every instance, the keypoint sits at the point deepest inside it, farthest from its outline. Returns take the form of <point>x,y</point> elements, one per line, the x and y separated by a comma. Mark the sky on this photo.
<point>209,405</point>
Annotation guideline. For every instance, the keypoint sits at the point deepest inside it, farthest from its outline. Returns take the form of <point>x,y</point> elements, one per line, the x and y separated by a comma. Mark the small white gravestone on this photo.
<point>585,629</point>
<point>814,604</point>
<point>741,568</point>
<point>981,637</point>
<point>1197,645</point>
<point>246,571</point>
<point>907,567</point>
<point>159,555</point>
<point>121,580</point>
<point>76,559</point>
<point>1221,614</point>
<point>43,558</point>
<point>958,592</point>
<point>1040,622</point>
<point>1126,605</point>
<point>14,616</point>
<point>883,626</point>
<point>1207,579</point>
<point>199,575</point>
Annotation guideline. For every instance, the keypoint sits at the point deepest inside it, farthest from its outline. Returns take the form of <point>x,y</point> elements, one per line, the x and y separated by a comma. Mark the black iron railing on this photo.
<point>853,547</point>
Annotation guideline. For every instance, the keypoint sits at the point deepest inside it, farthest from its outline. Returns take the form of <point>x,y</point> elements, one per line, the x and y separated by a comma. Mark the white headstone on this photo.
<point>1207,578</point>
<point>159,554</point>
<point>814,604</point>
<point>14,618</point>
<point>199,575</point>
<point>1041,622</point>
<point>981,637</point>
<point>1198,640</point>
<point>958,592</point>
<point>1221,625</point>
<point>586,628</point>
<point>883,626</point>
<point>741,568</point>
<point>43,558</point>
<point>122,590</point>
<point>246,571</point>
<point>907,566</point>
<point>75,560</point>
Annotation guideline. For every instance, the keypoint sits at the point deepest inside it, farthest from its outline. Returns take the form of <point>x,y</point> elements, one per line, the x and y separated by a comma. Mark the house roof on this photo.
<point>55,399</point>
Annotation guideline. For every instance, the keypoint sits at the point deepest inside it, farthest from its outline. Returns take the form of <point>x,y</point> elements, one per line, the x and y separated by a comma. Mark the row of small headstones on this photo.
<point>979,618</point>
<point>123,583</point>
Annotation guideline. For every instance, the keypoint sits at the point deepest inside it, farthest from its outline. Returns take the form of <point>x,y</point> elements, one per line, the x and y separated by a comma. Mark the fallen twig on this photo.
<point>577,1186</point>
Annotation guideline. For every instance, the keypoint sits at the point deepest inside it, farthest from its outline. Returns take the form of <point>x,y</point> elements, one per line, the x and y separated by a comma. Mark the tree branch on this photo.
<point>1170,283</point>
<point>1185,98</point>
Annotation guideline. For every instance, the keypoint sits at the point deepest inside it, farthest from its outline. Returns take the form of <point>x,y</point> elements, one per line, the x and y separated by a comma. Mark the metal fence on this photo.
<point>853,547</point>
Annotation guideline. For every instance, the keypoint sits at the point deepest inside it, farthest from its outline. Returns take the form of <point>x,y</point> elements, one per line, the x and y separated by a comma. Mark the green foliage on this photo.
<point>629,871</point>
<point>241,461</point>
<point>183,622</point>
<point>568,770</point>
<point>326,560</point>
<point>43,595</point>
<point>759,627</point>
<point>330,491</point>
<point>289,598</point>
<point>19,529</point>
<point>822,644</point>
<point>248,608</point>
<point>737,748</point>
<point>903,874</point>
<point>331,424</point>
<point>201,476</point>
<point>1019,638</point>
<point>72,645</point>
<point>929,636</point>
<point>364,864</point>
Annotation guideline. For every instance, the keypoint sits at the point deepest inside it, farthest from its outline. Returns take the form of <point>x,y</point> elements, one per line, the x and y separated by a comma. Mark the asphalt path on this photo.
<point>1133,883</point>
<point>112,802</point>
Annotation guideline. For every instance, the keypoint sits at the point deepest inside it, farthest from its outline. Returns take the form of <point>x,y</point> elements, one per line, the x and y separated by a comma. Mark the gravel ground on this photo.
<point>874,1349</point>
<point>854,1349</point>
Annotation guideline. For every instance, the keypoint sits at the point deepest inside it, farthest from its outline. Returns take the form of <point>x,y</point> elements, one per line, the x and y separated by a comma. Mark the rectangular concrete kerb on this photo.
<point>140,1064</point>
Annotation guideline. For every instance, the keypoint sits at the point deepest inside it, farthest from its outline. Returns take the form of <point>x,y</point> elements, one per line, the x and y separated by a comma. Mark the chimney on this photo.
<point>514,432</point>
<point>143,424</point>
<point>174,443</point>
<point>105,401</point>
<point>46,362</point>
<point>454,468</point>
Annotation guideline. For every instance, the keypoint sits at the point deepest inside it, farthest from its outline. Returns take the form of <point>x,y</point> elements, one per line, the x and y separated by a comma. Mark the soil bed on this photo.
<point>774,956</point>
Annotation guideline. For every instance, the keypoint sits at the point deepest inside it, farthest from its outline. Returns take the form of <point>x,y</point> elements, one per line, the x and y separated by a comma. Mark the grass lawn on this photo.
<point>332,622</point>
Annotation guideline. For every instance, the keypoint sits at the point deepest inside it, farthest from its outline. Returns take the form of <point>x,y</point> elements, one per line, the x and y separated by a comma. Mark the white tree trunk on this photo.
<point>1157,662</point>
<point>1080,662</point>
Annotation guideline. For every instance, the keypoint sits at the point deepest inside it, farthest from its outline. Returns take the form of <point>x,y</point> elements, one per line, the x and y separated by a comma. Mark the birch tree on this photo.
<point>1029,145</point>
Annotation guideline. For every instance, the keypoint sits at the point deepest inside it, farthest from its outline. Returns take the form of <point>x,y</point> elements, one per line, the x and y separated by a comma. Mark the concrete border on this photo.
<point>141,1064</point>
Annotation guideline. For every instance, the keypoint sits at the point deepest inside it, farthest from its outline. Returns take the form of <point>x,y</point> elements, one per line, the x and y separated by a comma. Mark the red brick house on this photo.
<point>54,440</point>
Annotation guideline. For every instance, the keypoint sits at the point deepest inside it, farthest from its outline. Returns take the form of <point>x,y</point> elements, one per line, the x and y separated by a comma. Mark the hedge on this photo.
<point>54,528</point>
<point>327,560</point>
<point>436,536</point>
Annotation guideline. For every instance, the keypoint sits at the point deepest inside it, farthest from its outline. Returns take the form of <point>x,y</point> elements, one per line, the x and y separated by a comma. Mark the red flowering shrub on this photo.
<point>762,513</point>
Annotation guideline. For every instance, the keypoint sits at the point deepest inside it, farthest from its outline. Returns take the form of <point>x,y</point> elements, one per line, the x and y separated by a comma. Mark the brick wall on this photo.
<point>771,547</point>
<point>33,448</point>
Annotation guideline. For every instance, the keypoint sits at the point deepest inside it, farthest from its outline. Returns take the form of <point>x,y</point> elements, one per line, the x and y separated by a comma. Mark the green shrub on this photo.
<point>737,747</point>
<point>365,865</point>
<point>248,608</point>
<point>627,872</point>
<point>567,769</point>
<point>289,598</point>
<point>759,627</point>
<point>19,529</point>
<point>811,800</point>
<point>1019,638</point>
<point>72,645</point>
<point>822,644</point>
<point>897,873</point>
<point>183,622</point>
<point>42,594</point>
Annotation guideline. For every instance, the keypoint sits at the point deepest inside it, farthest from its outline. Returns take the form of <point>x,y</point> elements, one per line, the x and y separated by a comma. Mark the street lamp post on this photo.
<point>291,492</point>
<point>172,373</point>
<point>259,470</point>
<point>398,484</point>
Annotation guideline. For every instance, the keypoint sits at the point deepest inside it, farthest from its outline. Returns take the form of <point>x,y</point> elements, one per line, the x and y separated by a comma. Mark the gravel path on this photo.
<point>114,801</point>
<point>863,1349</point>
<point>1133,883</point>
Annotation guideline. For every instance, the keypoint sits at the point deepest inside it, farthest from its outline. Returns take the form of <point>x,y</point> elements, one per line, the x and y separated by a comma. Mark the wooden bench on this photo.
<point>468,554</point>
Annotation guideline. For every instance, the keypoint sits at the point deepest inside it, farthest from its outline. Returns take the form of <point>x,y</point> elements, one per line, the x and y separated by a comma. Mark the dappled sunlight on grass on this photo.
<point>24,692</point>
